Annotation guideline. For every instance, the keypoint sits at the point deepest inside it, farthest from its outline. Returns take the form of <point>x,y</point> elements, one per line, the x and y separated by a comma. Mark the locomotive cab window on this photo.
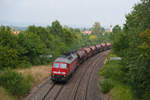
<point>64,66</point>
<point>56,65</point>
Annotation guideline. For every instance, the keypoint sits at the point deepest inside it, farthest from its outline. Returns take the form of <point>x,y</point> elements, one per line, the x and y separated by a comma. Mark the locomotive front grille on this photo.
<point>58,78</point>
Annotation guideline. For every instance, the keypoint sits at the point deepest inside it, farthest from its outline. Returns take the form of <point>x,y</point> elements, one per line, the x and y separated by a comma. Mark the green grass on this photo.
<point>111,55</point>
<point>121,92</point>
<point>4,95</point>
<point>113,71</point>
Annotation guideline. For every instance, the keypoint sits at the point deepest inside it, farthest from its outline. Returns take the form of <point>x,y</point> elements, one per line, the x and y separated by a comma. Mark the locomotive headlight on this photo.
<point>54,72</point>
<point>63,73</point>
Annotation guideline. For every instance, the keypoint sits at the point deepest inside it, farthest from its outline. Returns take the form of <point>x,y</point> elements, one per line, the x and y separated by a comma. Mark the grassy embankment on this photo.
<point>113,84</point>
<point>35,75</point>
<point>5,95</point>
<point>38,73</point>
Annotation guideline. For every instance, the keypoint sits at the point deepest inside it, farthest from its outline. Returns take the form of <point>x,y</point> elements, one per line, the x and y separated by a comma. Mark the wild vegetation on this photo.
<point>132,44</point>
<point>113,82</point>
<point>15,83</point>
<point>35,46</point>
<point>128,77</point>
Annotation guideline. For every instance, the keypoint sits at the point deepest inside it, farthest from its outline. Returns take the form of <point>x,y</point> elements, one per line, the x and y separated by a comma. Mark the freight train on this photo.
<point>64,66</point>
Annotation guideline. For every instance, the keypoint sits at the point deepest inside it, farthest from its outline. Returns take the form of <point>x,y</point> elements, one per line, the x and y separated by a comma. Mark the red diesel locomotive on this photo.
<point>65,65</point>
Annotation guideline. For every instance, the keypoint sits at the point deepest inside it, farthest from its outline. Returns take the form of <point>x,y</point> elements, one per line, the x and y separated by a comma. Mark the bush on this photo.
<point>5,95</point>
<point>15,83</point>
<point>146,95</point>
<point>113,70</point>
<point>106,85</point>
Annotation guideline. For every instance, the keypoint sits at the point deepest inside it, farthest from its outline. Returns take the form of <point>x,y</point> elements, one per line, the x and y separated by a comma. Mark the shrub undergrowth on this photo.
<point>106,85</point>
<point>15,83</point>
<point>114,80</point>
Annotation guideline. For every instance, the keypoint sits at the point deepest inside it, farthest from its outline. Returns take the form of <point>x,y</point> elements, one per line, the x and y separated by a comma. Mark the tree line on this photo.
<point>132,44</point>
<point>36,44</point>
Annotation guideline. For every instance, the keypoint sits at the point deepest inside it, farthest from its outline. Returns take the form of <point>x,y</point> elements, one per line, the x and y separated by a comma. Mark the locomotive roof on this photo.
<point>67,59</point>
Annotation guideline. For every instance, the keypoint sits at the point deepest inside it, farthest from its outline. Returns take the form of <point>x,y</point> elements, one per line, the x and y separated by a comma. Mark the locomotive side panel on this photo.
<point>73,66</point>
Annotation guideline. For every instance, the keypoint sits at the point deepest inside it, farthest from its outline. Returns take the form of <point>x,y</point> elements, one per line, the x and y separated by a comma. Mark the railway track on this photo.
<point>78,83</point>
<point>82,88</point>
<point>78,87</point>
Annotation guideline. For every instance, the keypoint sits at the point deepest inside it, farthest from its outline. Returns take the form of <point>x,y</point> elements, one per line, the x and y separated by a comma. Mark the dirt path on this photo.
<point>84,84</point>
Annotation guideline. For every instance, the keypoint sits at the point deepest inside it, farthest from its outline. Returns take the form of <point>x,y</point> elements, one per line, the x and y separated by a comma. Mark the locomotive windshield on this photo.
<point>63,66</point>
<point>56,65</point>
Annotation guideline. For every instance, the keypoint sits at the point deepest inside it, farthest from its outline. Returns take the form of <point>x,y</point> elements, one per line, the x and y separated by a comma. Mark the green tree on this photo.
<point>133,46</point>
<point>116,32</point>
<point>9,48</point>
<point>56,29</point>
<point>116,29</point>
<point>32,47</point>
<point>97,29</point>
<point>107,37</point>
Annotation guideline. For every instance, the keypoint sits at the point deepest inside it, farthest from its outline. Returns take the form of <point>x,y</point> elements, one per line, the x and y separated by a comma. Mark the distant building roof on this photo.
<point>108,30</point>
<point>16,32</point>
<point>86,32</point>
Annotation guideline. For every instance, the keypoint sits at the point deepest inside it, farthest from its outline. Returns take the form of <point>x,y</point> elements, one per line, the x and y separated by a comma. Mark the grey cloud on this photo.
<point>69,12</point>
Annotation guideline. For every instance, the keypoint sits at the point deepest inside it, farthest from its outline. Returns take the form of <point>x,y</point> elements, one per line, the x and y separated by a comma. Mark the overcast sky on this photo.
<point>68,12</point>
